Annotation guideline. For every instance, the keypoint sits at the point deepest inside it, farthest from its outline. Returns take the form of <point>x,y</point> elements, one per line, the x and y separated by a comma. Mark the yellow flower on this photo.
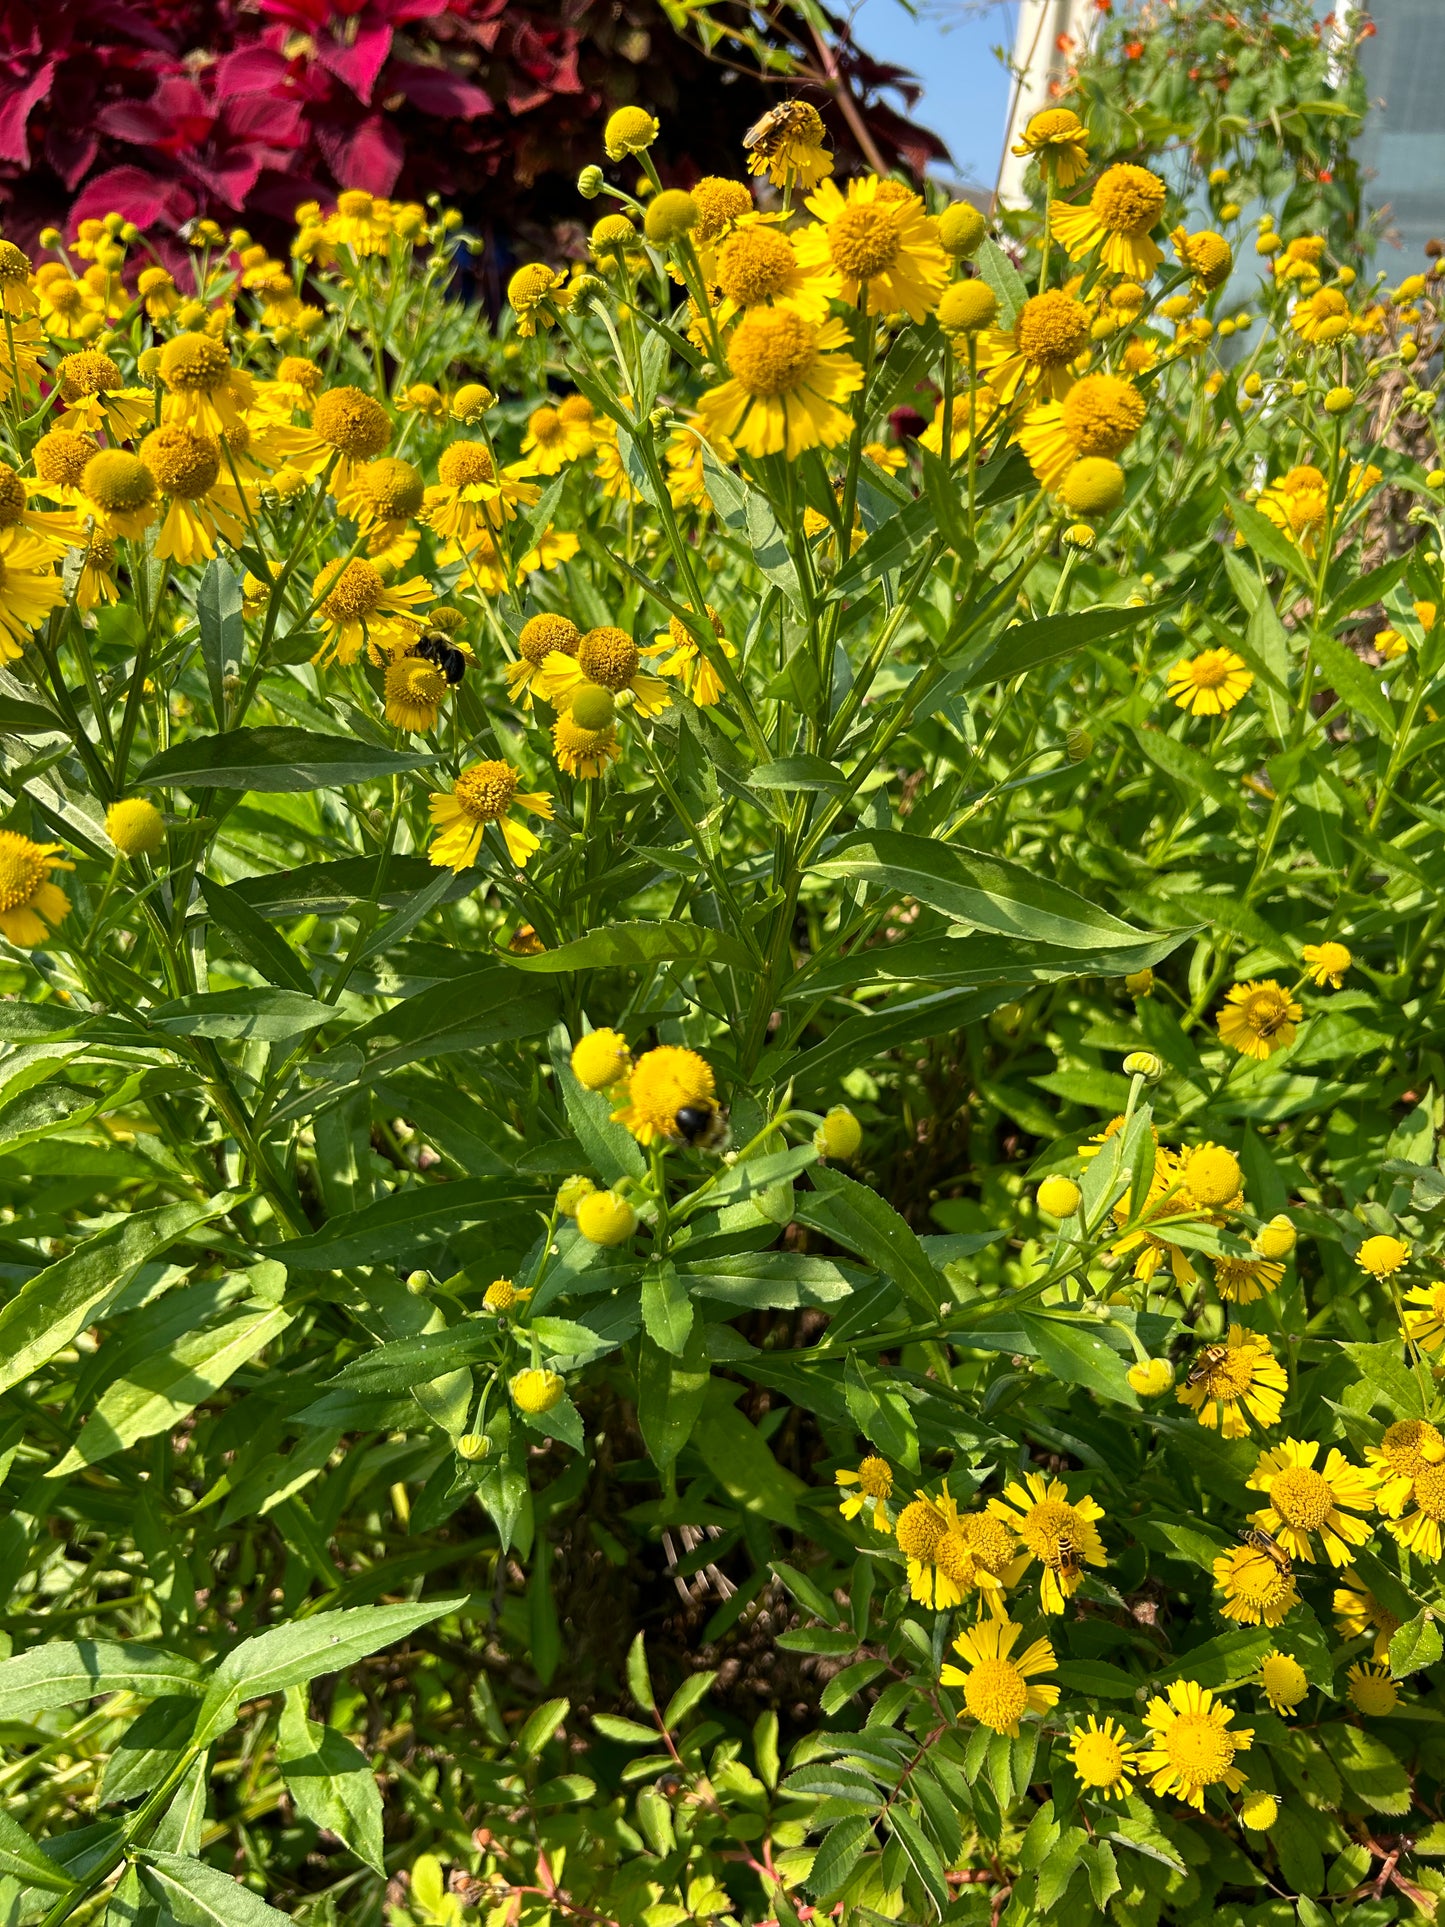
<point>1258,1019</point>
<point>1425,1324</point>
<point>414,691</point>
<point>1231,1383</point>
<point>1104,1758</point>
<point>1407,1448</point>
<point>484,793</point>
<point>95,397</point>
<point>1213,1177</point>
<point>535,292</point>
<point>541,635</point>
<point>382,495</point>
<point>503,1296</point>
<point>187,465</point>
<point>1060,142</point>
<point>356,605</point>
<point>1254,1587</point>
<point>1192,1746</point>
<point>756,265</point>
<point>1358,1612</point>
<point>607,656</point>
<point>874,1486</point>
<point>1382,1256</point>
<point>1303,1501</point>
<point>1322,317</point>
<point>665,1081</point>
<point>611,470</point>
<point>1327,963</point>
<point>884,250</point>
<point>1057,1531</point>
<point>1125,204</point>
<point>1298,503</point>
<point>1277,1239</point>
<point>680,656</point>
<point>719,203</point>
<point>556,436</point>
<point>1151,1377</point>
<point>1093,486</point>
<point>786,378</point>
<point>1051,332</point>
<point>347,426</point>
<point>1211,683</point>
<point>29,587</point>
<point>1241,1281</point>
<point>582,752</point>
<point>1426,614</point>
<point>630,130</point>
<point>1371,1689</point>
<point>468,503</point>
<point>601,1059</point>
<point>1207,255</point>
<point>1167,1201</point>
<point>965,307</point>
<point>787,145</point>
<point>976,412</point>
<point>1058,1197</point>
<point>29,901</point>
<point>120,492</point>
<point>58,530</point>
<point>135,826</point>
<point>1282,1681</point>
<point>977,1553</point>
<point>996,1689</point>
<point>535,1391</point>
<point>1100,415</point>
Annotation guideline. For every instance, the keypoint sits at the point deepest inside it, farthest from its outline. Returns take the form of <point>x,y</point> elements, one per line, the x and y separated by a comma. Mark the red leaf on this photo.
<point>372,158</point>
<point>137,193</point>
<point>70,153</point>
<point>14,144</point>
<point>358,65</point>
<point>250,70</point>
<point>437,92</point>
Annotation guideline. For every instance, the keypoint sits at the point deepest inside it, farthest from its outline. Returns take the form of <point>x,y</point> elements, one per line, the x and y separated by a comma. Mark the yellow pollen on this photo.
<point>12,497</point>
<point>1128,200</point>
<point>185,464</point>
<point>14,265</point>
<point>1098,1759</point>
<point>1301,1497</point>
<point>393,489</point>
<point>919,1531</point>
<point>1052,329</point>
<point>485,791</point>
<point>297,371</point>
<point>1407,1442</point>
<point>875,1478</point>
<point>355,593</point>
<point>88,373</point>
<point>1198,1749</point>
<point>718,201</point>
<point>772,351</point>
<point>22,870</point>
<point>118,482</point>
<point>1430,1491</point>
<point>608,656</point>
<point>354,204</point>
<point>864,240</point>
<point>60,457</point>
<point>194,365</point>
<point>465,464</point>
<point>576,410</point>
<point>753,265</point>
<point>995,1693</point>
<point>1102,414</point>
<point>352,421</point>
<point>545,426</point>
<point>546,632</point>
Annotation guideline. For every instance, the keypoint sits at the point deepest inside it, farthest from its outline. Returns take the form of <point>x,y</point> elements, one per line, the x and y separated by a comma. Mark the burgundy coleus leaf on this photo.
<point>70,152</point>
<point>252,69</point>
<point>357,65</point>
<point>141,194</point>
<point>369,156</point>
<point>15,107</point>
<point>435,91</point>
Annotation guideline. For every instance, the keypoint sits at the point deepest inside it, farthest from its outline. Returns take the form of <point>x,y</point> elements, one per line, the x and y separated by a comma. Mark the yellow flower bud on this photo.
<point>474,1445</point>
<point>1058,1197</point>
<point>1140,983</point>
<point>961,228</point>
<point>1339,400</point>
<point>571,1192</point>
<point>605,1219</point>
<point>135,826</point>
<point>840,1135</point>
<point>535,1390</point>
<point>1151,1377</point>
<point>1143,1063</point>
<point>1276,1239</point>
<point>601,1058</point>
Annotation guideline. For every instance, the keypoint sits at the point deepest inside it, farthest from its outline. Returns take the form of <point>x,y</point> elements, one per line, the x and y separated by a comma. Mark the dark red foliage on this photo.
<point>241,109</point>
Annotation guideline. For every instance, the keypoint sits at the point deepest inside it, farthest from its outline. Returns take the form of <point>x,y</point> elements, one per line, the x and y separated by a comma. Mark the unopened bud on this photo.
<point>417,1282</point>
<point>473,1445</point>
<point>1409,350</point>
<point>590,182</point>
<point>1143,1063</point>
<point>1079,745</point>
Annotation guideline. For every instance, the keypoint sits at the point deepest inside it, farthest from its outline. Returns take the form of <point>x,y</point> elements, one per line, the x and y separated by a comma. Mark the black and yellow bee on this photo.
<point>441,650</point>
<point>703,1126</point>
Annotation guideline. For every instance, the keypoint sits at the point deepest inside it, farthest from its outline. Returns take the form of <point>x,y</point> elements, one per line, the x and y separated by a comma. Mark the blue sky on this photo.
<point>949,47</point>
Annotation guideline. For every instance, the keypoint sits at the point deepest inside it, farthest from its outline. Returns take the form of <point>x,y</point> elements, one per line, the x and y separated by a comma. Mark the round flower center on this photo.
<point>919,1531</point>
<point>753,265</point>
<point>531,284</point>
<point>100,552</point>
<point>88,373</point>
<point>1098,1759</point>
<point>66,297</point>
<point>1046,1523</point>
<point>1052,329</point>
<point>118,482</point>
<point>185,463</point>
<point>955,1558</point>
<point>1128,199</point>
<point>355,593</point>
<point>354,204</point>
<point>194,365</point>
<point>60,457</point>
<point>542,634</point>
<point>352,421</point>
<point>1208,672</point>
<point>1199,1750</point>
<point>545,426</point>
<point>1301,1497</point>
<point>1283,1679</point>
<point>1212,1173</point>
<point>666,1079</point>
<point>297,371</point>
<point>22,871</point>
<point>486,790</point>
<point>414,679</point>
<point>1329,302</point>
<point>1102,414</point>
<point>569,737</point>
<point>12,497</point>
<point>393,489</point>
<point>608,656</point>
<point>1430,1491</point>
<point>864,240</point>
<point>1257,1580</point>
<point>500,1296</point>
<point>990,1538</point>
<point>996,1694</point>
<point>874,1478</point>
<point>1054,124</point>
<point>772,351</point>
<point>577,412</point>
<point>14,265</point>
<point>1373,1693</point>
<point>465,464</point>
<point>1262,1010</point>
<point>718,202</point>
<point>1406,1444</point>
<point>1232,1375</point>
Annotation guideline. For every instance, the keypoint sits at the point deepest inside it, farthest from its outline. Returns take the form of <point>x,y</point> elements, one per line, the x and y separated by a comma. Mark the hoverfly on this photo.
<point>1068,1560</point>
<point>1268,1547</point>
<point>703,1126</point>
<point>767,135</point>
<point>1206,1362</point>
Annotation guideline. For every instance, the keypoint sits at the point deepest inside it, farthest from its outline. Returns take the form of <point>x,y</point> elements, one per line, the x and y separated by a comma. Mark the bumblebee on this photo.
<point>703,1126</point>
<point>1268,1547</point>
<point>767,135</point>
<point>444,653</point>
<point>1205,1363</point>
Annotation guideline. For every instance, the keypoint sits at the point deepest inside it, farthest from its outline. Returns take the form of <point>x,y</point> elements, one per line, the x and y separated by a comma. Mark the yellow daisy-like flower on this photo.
<point>868,1489</point>
<point>468,502</point>
<point>665,1081</point>
<point>1303,1501</point>
<point>1282,1681</point>
<point>1059,141</point>
<point>95,396</point>
<point>919,1530</point>
<point>1233,1382</point>
<point>786,379</point>
<point>1408,1447</point>
<point>356,605</point>
<point>1419,1531</point>
<point>29,588</point>
<point>1382,1256</point>
<point>1298,503</point>
<point>1192,1746</point>
<point>95,582</point>
<point>1207,255</point>
<point>1050,334</point>
<point>787,146</point>
<point>1240,1281</point>
<point>1358,1612</point>
<point>414,692</point>
<point>679,655</point>
<point>996,1687</point>
<point>347,426</point>
<point>1327,963</point>
<point>556,436</point>
<point>382,495</point>
<point>541,636</point>
<point>1100,415</point>
<point>187,465</point>
<point>1125,205</point>
<point>1259,1018</point>
<point>1255,1589</point>
<point>57,529</point>
<point>1211,683</point>
<point>1058,1531</point>
<point>1371,1689</point>
<point>536,1390</point>
<point>951,1554</point>
<point>610,658</point>
<point>582,752</point>
<point>484,793</point>
<point>502,1296</point>
<point>883,249</point>
<point>756,265</point>
<point>1425,1315</point>
<point>1168,1201</point>
<point>535,292</point>
<point>1322,317</point>
<point>1104,1758</point>
<point>29,902</point>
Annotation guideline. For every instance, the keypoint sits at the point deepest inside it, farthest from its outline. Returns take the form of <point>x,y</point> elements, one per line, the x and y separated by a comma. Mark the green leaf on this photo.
<point>335,889</point>
<point>49,1309</point>
<point>1029,645</point>
<point>609,1148</point>
<point>989,892</point>
<point>274,761</point>
<point>627,1732</point>
<point>65,1671</point>
<point>666,1308</point>
<point>691,1693</point>
<point>1357,687</point>
<point>219,614</point>
<point>1270,544</point>
<point>739,1458</point>
<point>304,1649</point>
<point>1097,1678</point>
<point>485,1007</point>
<point>196,1894</point>
<point>818,1639</point>
<point>1223,1661</point>
<point>403,1363</point>
<point>748,518</point>
<point>1369,1767</point>
<point>793,773</point>
<point>639,1680</point>
<point>1079,1356</point>
<point>862,1221</point>
<point>255,939</point>
<point>541,1725</point>
<point>267,1016</point>
<point>926,1863</point>
<point>670,1395</point>
<point>22,1860</point>
<point>636,946</point>
<point>767,1280</point>
<point>838,1855</point>
<point>158,1392</point>
<point>1189,768</point>
<point>1417,1646</point>
<point>1005,280</point>
<point>419,1217</point>
<point>330,1780</point>
<point>881,1412</point>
